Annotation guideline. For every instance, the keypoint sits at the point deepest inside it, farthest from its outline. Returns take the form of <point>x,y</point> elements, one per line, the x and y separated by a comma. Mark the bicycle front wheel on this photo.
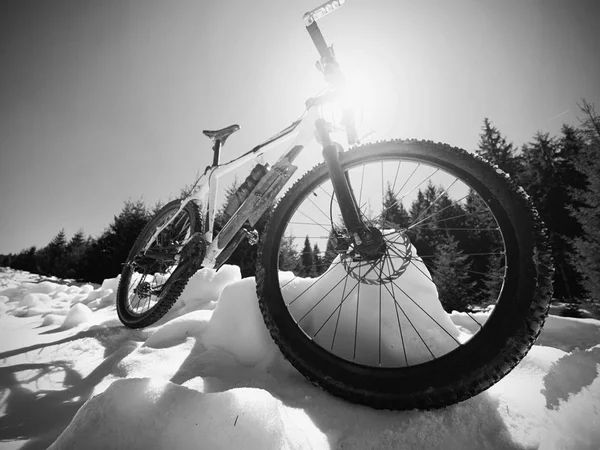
<point>449,303</point>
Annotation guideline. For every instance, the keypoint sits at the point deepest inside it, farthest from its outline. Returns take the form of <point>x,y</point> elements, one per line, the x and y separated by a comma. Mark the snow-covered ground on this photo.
<point>208,376</point>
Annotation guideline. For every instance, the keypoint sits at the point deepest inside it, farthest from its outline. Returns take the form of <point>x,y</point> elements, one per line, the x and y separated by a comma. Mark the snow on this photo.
<point>208,375</point>
<point>77,315</point>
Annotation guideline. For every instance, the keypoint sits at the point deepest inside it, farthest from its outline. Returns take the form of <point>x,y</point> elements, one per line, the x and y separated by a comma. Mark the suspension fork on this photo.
<point>341,184</point>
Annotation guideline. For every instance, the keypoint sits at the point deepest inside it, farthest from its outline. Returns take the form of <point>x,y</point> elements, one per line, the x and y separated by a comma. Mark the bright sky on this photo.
<point>101,102</point>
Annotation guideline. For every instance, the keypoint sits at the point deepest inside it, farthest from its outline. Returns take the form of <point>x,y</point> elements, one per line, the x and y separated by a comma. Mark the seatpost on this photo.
<point>216,152</point>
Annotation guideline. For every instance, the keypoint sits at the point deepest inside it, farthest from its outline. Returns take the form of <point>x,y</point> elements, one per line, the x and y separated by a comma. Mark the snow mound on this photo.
<point>204,288</point>
<point>35,299</point>
<point>156,414</point>
<point>237,325</point>
<point>45,287</point>
<point>86,288</point>
<point>110,283</point>
<point>178,329</point>
<point>78,315</point>
<point>96,295</point>
<point>52,319</point>
<point>386,330</point>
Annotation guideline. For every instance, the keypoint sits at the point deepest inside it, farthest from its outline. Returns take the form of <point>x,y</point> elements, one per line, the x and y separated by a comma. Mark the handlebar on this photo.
<point>310,20</point>
<point>321,11</point>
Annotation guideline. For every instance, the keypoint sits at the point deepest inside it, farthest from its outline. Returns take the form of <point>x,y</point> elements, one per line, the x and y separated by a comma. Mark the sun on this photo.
<point>372,91</point>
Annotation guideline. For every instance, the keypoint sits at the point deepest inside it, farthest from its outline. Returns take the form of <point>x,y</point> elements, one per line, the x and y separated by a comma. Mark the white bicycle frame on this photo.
<point>302,130</point>
<point>264,193</point>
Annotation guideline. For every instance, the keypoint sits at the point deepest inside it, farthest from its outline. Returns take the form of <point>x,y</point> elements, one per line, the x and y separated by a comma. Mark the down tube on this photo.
<point>303,136</point>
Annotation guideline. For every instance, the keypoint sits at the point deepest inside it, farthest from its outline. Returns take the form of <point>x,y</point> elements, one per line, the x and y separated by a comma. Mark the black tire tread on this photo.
<point>475,382</point>
<point>174,290</point>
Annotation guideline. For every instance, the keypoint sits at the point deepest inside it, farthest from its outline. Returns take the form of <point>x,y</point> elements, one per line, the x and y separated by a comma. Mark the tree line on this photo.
<point>561,174</point>
<point>91,259</point>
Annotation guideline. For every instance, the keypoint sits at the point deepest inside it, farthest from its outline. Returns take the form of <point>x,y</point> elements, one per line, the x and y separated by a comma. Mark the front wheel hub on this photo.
<point>379,261</point>
<point>372,246</point>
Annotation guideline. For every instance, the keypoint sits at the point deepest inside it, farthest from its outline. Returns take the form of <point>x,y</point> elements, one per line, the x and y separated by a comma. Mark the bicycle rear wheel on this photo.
<point>375,327</point>
<point>151,282</point>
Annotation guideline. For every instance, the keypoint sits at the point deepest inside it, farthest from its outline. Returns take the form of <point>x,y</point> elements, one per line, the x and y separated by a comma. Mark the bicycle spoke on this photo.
<point>428,315</point>
<point>313,284</point>
<point>396,176</point>
<point>396,201</point>
<point>340,311</point>
<point>414,328</point>
<point>320,210</point>
<point>380,287</point>
<point>356,324</point>
<point>436,200</point>
<point>471,214</point>
<point>337,308</point>
<point>449,211</point>
<point>393,295</point>
<point>314,221</point>
<point>455,203</point>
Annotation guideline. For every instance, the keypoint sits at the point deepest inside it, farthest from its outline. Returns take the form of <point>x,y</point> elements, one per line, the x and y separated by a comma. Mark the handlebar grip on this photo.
<point>321,11</point>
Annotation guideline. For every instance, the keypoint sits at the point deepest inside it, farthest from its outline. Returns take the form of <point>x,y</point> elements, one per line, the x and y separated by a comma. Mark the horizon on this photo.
<point>105,102</point>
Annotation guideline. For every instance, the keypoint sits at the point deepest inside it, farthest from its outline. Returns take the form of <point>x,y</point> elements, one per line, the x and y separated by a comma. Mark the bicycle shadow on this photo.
<point>41,416</point>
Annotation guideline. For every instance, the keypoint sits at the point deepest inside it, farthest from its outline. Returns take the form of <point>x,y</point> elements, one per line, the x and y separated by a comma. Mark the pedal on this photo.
<point>252,237</point>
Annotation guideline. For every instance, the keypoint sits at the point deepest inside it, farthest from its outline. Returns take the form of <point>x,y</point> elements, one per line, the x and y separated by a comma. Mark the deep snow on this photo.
<point>209,376</point>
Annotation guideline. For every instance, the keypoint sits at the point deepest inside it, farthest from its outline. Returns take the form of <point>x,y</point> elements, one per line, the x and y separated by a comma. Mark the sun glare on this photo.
<point>372,91</point>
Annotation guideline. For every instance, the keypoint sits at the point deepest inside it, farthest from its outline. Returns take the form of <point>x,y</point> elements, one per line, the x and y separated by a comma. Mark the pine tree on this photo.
<point>74,255</point>
<point>53,256</point>
<point>478,237</point>
<point>493,147</point>
<point>448,215</point>
<point>566,226</point>
<point>330,253</point>
<point>541,178</point>
<point>451,276</point>
<point>493,278</point>
<point>318,265</point>
<point>306,267</point>
<point>26,260</point>
<point>587,212</point>
<point>423,235</point>
<point>106,255</point>
<point>394,215</point>
<point>288,256</point>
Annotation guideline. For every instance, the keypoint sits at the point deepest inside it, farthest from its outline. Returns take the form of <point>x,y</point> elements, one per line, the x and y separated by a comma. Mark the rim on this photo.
<point>149,276</point>
<point>442,250</point>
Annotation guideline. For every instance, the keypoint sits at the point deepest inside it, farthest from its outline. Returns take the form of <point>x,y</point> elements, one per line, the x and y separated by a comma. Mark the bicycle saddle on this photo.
<point>222,134</point>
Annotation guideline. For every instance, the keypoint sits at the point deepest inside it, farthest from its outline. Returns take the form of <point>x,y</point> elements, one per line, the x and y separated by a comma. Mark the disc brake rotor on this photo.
<point>389,266</point>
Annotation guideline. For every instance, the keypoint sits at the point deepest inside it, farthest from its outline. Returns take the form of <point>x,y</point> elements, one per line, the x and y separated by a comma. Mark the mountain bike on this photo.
<point>435,275</point>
